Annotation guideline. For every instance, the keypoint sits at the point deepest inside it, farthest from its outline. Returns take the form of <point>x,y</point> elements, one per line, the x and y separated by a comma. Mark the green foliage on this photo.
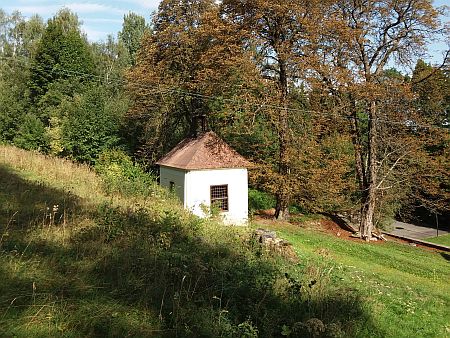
<point>121,175</point>
<point>11,111</point>
<point>61,53</point>
<point>58,99</point>
<point>247,330</point>
<point>296,209</point>
<point>17,40</point>
<point>19,36</point>
<point>133,30</point>
<point>111,60</point>
<point>259,200</point>
<point>67,115</point>
<point>91,125</point>
<point>31,134</point>
<point>432,87</point>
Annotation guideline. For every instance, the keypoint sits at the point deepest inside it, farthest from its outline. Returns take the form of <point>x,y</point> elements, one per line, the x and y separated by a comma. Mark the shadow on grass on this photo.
<point>132,274</point>
<point>25,204</point>
<point>446,256</point>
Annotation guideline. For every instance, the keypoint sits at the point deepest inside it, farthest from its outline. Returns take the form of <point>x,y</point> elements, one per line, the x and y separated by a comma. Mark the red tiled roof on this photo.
<point>206,151</point>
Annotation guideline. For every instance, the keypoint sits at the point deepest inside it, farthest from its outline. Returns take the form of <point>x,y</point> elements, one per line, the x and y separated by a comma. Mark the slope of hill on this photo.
<point>404,288</point>
<point>78,258</point>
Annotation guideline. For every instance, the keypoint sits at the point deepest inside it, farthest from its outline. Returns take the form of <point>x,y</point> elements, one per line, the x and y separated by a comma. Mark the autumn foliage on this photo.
<point>307,90</point>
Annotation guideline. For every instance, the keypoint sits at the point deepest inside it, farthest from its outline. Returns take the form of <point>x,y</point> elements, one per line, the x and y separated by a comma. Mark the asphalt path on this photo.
<point>416,231</point>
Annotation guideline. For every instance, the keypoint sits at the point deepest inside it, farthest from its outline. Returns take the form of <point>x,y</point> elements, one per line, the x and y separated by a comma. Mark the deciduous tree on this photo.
<point>133,29</point>
<point>18,41</point>
<point>361,39</point>
<point>280,33</point>
<point>61,53</point>
<point>190,60</point>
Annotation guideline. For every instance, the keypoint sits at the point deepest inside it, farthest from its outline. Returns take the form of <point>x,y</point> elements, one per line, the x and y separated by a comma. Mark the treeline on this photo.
<point>61,94</point>
<point>303,89</point>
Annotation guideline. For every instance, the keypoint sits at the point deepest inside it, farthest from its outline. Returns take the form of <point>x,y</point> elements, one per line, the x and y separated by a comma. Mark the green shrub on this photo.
<point>298,209</point>
<point>31,134</point>
<point>121,175</point>
<point>259,200</point>
<point>12,111</point>
<point>91,125</point>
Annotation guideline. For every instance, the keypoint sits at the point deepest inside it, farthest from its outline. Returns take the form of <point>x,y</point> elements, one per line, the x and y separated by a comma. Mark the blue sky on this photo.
<point>103,17</point>
<point>99,17</point>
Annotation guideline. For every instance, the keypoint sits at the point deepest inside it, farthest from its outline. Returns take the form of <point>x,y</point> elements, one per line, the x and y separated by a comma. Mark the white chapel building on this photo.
<point>204,171</point>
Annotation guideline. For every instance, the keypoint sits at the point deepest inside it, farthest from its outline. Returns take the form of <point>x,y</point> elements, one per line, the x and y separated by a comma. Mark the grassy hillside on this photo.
<point>405,289</point>
<point>79,257</point>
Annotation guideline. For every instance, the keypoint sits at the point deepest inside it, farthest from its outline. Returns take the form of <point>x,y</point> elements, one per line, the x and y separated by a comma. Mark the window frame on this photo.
<point>221,199</point>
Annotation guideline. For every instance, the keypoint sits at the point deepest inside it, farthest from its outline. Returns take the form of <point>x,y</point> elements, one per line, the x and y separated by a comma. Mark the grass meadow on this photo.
<point>87,256</point>
<point>404,288</point>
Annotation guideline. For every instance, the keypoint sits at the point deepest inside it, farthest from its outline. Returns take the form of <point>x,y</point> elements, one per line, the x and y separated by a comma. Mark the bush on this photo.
<point>31,134</point>
<point>121,175</point>
<point>259,200</point>
<point>91,126</point>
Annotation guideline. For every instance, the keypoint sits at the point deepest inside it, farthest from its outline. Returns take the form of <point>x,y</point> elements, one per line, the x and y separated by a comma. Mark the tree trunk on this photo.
<point>359,158</point>
<point>282,207</point>
<point>283,196</point>
<point>369,194</point>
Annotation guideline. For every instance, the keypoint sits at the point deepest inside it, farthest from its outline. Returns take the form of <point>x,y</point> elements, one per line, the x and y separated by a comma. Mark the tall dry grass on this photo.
<point>58,172</point>
<point>76,260</point>
<point>79,179</point>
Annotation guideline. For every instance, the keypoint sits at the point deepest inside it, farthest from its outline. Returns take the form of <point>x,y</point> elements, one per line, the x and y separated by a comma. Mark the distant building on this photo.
<point>204,171</point>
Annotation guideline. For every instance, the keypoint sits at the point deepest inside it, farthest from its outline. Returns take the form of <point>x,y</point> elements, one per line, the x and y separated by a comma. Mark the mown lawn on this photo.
<point>444,240</point>
<point>405,289</point>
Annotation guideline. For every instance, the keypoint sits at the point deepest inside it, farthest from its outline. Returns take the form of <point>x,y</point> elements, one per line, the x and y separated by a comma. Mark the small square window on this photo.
<point>219,196</point>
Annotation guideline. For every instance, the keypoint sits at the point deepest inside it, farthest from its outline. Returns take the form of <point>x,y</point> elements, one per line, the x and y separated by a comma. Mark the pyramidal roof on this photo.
<point>206,151</point>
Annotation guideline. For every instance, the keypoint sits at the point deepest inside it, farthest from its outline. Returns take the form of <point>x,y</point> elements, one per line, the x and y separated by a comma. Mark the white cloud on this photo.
<point>148,4</point>
<point>46,10</point>
<point>43,10</point>
<point>93,34</point>
<point>93,8</point>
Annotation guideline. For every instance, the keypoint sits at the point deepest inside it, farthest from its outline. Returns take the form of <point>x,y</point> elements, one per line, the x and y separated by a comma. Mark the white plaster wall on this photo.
<point>177,176</point>
<point>197,192</point>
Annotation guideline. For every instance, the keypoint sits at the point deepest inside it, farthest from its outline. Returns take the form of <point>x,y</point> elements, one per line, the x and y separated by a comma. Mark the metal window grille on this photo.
<point>219,197</point>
